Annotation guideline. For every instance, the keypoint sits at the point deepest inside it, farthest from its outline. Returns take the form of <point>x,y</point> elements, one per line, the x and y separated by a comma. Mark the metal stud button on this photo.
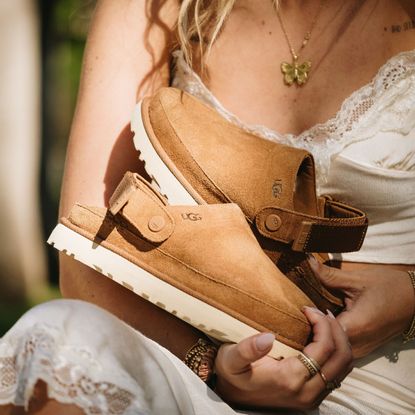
<point>273,222</point>
<point>156,223</point>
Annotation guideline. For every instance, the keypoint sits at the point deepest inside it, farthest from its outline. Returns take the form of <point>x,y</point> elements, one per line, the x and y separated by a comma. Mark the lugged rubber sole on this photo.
<point>210,320</point>
<point>156,166</point>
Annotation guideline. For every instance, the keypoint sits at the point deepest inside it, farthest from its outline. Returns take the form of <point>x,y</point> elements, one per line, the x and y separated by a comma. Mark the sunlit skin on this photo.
<point>357,34</point>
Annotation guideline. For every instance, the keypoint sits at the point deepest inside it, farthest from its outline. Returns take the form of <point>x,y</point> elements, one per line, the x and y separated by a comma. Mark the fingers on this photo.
<point>246,374</point>
<point>323,344</point>
<point>331,350</point>
<point>339,363</point>
<point>320,349</point>
<point>330,276</point>
<point>237,358</point>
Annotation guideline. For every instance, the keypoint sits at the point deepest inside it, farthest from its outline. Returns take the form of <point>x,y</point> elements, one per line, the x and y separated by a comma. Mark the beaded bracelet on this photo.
<point>409,334</point>
<point>200,358</point>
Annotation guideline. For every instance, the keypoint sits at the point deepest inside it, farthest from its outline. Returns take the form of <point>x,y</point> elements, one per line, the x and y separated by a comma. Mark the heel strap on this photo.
<point>342,229</point>
<point>143,207</point>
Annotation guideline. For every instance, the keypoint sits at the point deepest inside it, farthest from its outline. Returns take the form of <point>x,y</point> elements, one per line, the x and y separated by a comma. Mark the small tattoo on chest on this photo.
<point>399,28</point>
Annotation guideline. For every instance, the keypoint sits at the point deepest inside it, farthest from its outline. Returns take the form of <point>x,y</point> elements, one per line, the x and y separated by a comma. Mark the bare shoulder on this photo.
<point>126,57</point>
<point>136,33</point>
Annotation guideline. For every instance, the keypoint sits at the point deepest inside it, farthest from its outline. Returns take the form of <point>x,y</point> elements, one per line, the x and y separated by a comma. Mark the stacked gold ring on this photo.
<point>312,366</point>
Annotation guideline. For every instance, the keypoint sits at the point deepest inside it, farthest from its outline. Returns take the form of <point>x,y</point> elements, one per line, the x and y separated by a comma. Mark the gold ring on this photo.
<point>330,384</point>
<point>311,365</point>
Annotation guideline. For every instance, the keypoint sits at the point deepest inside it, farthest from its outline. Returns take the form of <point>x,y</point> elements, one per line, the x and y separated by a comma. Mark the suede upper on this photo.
<point>274,185</point>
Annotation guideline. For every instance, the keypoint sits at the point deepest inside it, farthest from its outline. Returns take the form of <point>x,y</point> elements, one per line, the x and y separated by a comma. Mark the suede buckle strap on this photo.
<point>143,208</point>
<point>343,232</point>
<point>334,209</point>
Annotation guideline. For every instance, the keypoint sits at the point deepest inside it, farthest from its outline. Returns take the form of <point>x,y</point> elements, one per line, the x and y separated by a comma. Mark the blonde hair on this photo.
<point>201,21</point>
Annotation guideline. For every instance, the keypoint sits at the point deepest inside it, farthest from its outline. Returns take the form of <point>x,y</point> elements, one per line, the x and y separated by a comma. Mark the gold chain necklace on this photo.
<point>296,72</point>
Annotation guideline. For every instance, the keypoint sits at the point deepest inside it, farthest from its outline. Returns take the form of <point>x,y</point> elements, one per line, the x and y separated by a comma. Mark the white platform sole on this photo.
<point>204,317</point>
<point>167,182</point>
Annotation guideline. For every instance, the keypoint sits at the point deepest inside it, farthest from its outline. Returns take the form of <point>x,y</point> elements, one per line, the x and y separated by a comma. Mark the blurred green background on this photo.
<point>42,44</point>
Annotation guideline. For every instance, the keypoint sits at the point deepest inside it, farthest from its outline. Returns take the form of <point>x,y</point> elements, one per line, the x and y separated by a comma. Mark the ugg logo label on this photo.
<point>191,216</point>
<point>277,188</point>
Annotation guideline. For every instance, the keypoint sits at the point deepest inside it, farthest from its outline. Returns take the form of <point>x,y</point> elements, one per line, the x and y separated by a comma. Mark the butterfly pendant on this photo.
<point>295,72</point>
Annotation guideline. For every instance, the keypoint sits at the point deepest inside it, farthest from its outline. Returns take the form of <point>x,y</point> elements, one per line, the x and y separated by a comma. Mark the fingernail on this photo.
<point>330,314</point>
<point>314,310</point>
<point>264,341</point>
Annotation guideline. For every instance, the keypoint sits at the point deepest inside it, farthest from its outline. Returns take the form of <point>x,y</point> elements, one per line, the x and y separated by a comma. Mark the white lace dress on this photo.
<point>90,358</point>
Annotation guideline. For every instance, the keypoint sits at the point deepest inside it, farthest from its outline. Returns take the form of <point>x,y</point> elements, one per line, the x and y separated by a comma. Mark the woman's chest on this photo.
<point>346,51</point>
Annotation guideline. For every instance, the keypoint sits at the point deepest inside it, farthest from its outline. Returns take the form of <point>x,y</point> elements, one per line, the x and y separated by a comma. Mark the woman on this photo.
<point>127,56</point>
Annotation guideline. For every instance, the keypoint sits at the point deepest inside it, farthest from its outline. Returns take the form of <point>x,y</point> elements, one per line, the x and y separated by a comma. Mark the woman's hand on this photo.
<point>379,304</point>
<point>248,377</point>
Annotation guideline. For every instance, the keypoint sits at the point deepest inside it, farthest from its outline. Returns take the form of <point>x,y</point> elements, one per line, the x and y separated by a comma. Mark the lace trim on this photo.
<point>391,93</point>
<point>37,356</point>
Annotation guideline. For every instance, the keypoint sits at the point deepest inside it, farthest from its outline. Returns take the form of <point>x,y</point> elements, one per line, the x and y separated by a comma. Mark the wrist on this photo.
<point>200,358</point>
<point>409,333</point>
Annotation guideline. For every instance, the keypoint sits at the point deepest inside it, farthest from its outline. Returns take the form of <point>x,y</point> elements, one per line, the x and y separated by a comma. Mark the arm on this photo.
<point>100,149</point>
